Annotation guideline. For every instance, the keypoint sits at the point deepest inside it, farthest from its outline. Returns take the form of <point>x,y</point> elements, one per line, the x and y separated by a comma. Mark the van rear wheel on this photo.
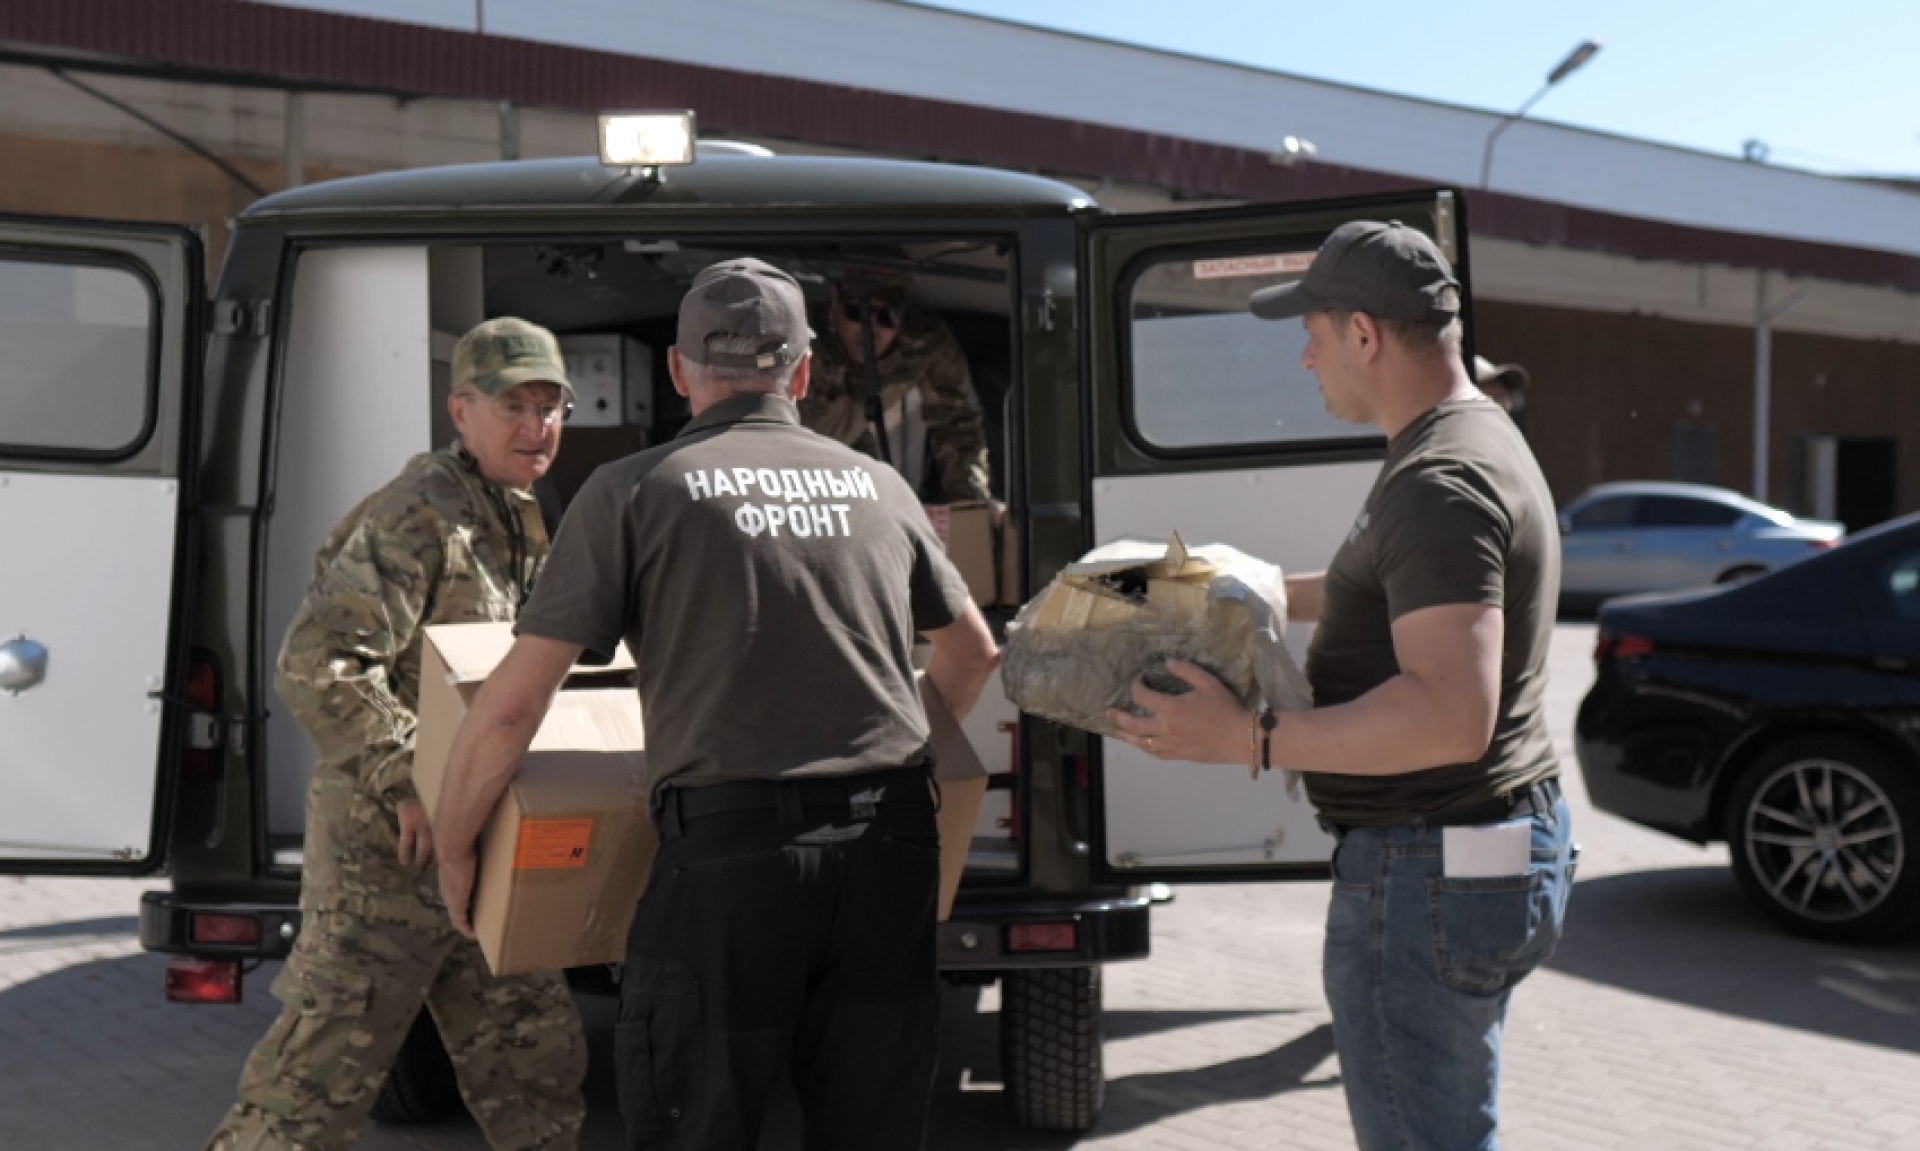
<point>421,1086</point>
<point>1050,1047</point>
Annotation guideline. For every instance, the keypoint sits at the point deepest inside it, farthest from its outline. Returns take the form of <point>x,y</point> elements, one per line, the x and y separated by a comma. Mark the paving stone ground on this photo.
<point>1672,1018</point>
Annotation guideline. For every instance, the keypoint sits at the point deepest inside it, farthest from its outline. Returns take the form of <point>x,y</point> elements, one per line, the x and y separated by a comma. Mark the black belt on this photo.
<point>1520,805</point>
<point>1523,804</point>
<point>896,785</point>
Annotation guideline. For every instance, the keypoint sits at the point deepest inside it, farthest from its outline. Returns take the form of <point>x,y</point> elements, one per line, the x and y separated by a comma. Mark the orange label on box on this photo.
<point>547,844</point>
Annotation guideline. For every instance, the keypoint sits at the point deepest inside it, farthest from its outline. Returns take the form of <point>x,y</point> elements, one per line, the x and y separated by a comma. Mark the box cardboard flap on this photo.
<point>954,758</point>
<point>457,658</point>
<point>470,651</point>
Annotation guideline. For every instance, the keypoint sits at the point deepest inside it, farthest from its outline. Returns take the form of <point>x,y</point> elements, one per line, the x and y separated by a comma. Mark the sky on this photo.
<point>1827,85</point>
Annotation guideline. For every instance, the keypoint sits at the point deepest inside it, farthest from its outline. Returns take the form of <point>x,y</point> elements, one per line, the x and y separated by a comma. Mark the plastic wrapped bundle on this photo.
<point>1125,609</point>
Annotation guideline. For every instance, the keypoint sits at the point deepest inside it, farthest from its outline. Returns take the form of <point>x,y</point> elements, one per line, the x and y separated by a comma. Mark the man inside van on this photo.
<point>456,538</point>
<point>929,413</point>
<point>769,583</point>
<point>1427,754</point>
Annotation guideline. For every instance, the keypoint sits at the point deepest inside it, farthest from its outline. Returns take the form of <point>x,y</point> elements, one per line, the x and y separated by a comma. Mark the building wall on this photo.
<point>908,49</point>
<point>1623,351</point>
<point>1609,391</point>
<point>65,153</point>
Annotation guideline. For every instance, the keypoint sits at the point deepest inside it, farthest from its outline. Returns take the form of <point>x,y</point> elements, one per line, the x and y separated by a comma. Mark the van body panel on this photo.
<point>1203,421</point>
<point>102,325</point>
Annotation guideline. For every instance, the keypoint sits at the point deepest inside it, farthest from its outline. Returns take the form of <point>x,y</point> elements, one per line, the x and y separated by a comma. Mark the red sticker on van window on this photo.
<point>1234,266</point>
<point>549,844</point>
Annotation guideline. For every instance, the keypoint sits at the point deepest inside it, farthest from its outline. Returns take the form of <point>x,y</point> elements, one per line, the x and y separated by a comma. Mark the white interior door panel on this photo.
<point>91,584</point>
<point>1161,814</point>
<point>353,410</point>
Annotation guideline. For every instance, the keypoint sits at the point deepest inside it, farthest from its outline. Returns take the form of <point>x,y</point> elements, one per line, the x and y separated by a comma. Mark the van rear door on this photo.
<point>1205,423</point>
<point>100,338</point>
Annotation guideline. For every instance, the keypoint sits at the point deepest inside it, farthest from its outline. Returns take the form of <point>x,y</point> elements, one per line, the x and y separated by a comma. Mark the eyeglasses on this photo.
<point>519,411</point>
<point>883,316</point>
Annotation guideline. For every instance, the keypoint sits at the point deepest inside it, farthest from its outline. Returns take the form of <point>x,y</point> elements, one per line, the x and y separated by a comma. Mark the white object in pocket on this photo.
<point>1486,852</point>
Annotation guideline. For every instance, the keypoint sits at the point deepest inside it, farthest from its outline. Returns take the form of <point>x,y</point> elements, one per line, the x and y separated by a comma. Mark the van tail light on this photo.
<point>1823,545</point>
<point>203,981</point>
<point>202,761</point>
<point>1042,937</point>
<point>1613,648</point>
<point>225,930</point>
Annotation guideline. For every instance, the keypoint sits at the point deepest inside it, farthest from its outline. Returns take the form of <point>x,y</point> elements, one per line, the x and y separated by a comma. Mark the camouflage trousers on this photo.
<point>350,992</point>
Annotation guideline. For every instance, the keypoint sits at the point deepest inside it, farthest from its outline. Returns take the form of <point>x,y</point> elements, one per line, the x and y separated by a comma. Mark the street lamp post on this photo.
<point>1567,67</point>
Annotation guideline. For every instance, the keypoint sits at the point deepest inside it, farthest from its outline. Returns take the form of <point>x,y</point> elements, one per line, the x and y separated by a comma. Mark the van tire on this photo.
<point>421,1086</point>
<point>1050,1047</point>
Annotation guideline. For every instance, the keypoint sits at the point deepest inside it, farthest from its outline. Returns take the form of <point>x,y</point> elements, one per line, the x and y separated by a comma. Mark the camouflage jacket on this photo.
<point>924,355</point>
<point>439,544</point>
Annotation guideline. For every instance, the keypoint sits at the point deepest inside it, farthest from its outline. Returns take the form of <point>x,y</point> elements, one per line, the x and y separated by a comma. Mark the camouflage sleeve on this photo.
<point>955,434</point>
<point>337,669</point>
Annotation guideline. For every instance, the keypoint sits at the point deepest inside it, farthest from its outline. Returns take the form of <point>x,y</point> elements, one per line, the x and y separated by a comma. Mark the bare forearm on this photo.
<point>1303,597</point>
<point>958,683</point>
<point>964,655</point>
<point>1399,727</point>
<point>494,738</point>
<point>486,752</point>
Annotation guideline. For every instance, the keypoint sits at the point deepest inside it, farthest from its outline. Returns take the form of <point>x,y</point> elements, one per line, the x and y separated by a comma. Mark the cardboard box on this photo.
<point>612,378</point>
<point>962,780</point>
<point>970,532</point>
<point>1122,610</point>
<point>565,854</point>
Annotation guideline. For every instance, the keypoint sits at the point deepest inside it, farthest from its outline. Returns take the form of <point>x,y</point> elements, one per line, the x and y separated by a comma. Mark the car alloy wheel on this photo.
<point>1824,840</point>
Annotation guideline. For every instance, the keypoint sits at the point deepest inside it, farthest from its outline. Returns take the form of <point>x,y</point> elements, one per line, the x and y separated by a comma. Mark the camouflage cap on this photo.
<point>500,354</point>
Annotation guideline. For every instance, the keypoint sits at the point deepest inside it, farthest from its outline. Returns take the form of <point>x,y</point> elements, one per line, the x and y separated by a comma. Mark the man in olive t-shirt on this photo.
<point>1427,752</point>
<point>769,582</point>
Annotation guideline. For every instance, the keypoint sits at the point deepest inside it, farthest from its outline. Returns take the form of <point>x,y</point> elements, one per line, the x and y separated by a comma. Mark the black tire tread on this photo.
<point>1050,1057</point>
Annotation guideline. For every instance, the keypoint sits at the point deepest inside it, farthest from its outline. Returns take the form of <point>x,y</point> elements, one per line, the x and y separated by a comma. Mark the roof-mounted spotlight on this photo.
<point>648,140</point>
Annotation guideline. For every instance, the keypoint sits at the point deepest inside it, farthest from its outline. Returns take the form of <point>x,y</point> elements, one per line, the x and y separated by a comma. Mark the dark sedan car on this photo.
<point>1783,717</point>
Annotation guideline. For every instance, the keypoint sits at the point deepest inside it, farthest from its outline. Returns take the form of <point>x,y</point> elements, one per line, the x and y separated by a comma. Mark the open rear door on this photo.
<point>1205,423</point>
<point>99,361</point>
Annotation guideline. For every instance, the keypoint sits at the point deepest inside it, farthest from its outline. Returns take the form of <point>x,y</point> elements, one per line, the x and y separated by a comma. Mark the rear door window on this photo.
<point>1681,512</point>
<point>1605,515</point>
<point>1206,373</point>
<point>79,374</point>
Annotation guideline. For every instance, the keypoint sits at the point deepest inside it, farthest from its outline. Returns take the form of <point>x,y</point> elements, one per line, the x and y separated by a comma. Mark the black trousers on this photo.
<point>795,939</point>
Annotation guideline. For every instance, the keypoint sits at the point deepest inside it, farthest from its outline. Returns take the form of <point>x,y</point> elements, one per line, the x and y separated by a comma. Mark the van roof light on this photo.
<point>646,139</point>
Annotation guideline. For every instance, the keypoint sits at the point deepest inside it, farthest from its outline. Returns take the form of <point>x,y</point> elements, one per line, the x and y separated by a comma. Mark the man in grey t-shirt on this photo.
<point>769,582</point>
<point>1427,754</point>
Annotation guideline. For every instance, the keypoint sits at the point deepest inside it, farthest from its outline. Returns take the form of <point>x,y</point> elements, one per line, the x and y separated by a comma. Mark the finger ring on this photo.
<point>1149,743</point>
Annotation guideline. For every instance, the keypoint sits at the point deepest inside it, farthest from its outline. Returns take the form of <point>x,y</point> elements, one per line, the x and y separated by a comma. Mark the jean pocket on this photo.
<point>657,1044</point>
<point>1488,933</point>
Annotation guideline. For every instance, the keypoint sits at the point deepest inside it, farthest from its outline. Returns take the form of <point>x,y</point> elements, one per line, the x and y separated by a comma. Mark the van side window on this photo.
<point>1205,372</point>
<point>78,374</point>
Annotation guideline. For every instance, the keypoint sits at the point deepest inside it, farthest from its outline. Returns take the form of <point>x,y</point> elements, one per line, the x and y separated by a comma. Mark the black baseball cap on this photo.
<point>743,313</point>
<point>1387,270</point>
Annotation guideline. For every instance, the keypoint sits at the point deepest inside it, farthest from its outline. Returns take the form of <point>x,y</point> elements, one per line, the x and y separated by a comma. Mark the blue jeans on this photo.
<point>1418,971</point>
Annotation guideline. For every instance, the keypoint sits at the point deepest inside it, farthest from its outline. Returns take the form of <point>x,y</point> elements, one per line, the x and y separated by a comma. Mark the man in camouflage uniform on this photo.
<point>456,538</point>
<point>935,436</point>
